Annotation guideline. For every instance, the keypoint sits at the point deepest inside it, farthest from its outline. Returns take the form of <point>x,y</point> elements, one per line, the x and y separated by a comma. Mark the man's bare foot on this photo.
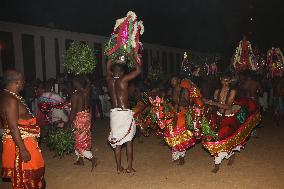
<point>130,170</point>
<point>216,168</point>
<point>120,170</point>
<point>231,160</point>
<point>181,161</point>
<point>79,162</point>
<point>94,163</point>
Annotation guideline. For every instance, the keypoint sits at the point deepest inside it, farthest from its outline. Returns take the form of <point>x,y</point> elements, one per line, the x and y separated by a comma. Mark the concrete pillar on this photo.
<point>91,44</point>
<point>1,66</point>
<point>160,59</point>
<point>149,60</point>
<point>38,57</point>
<point>169,70</point>
<point>103,60</point>
<point>18,51</point>
<point>61,46</point>
<point>50,57</point>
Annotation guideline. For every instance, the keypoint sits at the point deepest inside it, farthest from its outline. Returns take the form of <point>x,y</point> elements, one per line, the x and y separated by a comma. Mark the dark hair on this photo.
<point>226,75</point>
<point>11,76</point>
<point>118,66</point>
<point>81,80</point>
<point>175,77</point>
<point>251,75</point>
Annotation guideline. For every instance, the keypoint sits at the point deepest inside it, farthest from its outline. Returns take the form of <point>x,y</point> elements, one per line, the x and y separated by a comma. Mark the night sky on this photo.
<point>200,25</point>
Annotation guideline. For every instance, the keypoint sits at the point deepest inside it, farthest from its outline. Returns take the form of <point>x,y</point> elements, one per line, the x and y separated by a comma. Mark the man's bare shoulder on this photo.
<point>233,91</point>
<point>7,101</point>
<point>7,98</point>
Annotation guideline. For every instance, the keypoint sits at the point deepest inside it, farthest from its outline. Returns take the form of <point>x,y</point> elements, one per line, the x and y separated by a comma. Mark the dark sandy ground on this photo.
<point>259,166</point>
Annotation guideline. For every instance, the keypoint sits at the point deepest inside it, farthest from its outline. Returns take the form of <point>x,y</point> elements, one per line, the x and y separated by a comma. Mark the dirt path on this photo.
<point>259,166</point>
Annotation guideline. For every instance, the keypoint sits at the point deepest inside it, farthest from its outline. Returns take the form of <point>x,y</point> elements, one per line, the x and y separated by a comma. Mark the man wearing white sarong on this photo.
<point>122,126</point>
<point>121,117</point>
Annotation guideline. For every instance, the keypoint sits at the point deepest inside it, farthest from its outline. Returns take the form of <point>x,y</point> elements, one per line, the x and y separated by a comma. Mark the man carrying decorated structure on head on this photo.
<point>122,51</point>
<point>80,61</point>
<point>275,62</point>
<point>243,58</point>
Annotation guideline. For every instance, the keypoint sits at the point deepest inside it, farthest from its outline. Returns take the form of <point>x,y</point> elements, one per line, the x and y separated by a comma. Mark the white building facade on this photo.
<point>38,52</point>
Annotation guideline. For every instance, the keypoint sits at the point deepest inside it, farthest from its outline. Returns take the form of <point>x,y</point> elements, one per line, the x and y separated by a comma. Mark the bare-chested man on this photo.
<point>121,117</point>
<point>223,101</point>
<point>185,95</point>
<point>80,119</point>
<point>252,87</point>
<point>22,160</point>
<point>253,90</point>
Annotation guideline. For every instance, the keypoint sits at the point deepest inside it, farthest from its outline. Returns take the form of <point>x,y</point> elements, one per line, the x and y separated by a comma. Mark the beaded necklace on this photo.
<point>21,99</point>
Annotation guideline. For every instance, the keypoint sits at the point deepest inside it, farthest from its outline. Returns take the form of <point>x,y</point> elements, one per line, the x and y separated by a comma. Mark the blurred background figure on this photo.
<point>96,102</point>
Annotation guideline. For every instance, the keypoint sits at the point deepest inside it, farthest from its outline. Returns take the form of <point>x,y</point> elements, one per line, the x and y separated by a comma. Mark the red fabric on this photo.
<point>41,118</point>
<point>82,131</point>
<point>178,131</point>
<point>24,175</point>
<point>226,126</point>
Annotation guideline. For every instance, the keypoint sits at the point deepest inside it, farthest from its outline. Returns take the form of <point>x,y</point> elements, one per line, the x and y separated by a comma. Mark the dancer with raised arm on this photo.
<point>122,123</point>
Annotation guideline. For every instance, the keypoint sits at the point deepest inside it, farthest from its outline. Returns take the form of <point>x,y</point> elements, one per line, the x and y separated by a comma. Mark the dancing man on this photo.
<point>122,123</point>
<point>22,160</point>
<point>233,122</point>
<point>185,95</point>
<point>223,100</point>
<point>80,118</point>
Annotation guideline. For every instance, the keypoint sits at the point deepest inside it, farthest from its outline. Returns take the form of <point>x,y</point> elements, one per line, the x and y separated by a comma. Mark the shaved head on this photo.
<point>11,76</point>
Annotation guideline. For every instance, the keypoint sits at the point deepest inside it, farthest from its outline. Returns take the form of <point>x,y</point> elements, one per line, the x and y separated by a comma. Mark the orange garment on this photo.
<point>23,175</point>
<point>181,123</point>
<point>177,136</point>
<point>193,91</point>
<point>194,95</point>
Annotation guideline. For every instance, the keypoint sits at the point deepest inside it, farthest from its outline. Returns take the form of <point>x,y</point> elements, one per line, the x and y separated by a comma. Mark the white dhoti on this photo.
<point>86,154</point>
<point>222,155</point>
<point>122,126</point>
<point>176,155</point>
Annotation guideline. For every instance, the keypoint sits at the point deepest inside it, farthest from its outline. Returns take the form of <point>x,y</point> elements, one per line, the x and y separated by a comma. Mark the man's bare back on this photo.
<point>118,92</point>
<point>252,88</point>
<point>80,100</point>
<point>117,82</point>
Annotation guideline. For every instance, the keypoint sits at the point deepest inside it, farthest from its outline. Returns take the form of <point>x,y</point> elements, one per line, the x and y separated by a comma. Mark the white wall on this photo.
<point>61,35</point>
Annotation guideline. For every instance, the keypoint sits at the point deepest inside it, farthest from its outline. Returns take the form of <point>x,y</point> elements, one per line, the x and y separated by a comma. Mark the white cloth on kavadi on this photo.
<point>122,126</point>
